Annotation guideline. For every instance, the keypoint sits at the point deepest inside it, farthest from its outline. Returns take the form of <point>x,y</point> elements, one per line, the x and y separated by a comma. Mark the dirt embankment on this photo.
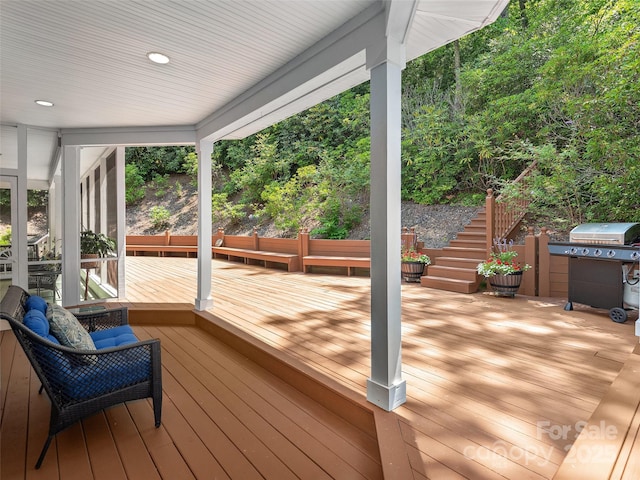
<point>435,225</point>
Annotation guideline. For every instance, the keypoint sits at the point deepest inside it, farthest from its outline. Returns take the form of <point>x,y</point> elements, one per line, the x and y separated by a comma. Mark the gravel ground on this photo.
<point>435,225</point>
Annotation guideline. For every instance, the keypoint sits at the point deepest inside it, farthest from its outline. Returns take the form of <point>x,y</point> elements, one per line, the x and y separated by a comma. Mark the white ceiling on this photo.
<point>236,65</point>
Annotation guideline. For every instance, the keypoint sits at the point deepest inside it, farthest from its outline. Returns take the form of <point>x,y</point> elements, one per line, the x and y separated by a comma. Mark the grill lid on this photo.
<point>606,233</point>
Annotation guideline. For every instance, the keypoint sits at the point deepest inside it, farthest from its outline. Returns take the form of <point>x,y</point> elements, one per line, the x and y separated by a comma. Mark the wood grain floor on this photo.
<point>497,388</point>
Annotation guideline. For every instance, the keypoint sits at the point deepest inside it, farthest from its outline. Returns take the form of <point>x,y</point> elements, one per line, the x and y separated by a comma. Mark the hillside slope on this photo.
<point>435,225</point>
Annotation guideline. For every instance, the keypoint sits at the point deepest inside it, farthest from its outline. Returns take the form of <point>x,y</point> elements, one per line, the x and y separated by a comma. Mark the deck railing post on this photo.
<point>530,277</point>
<point>256,239</point>
<point>490,208</point>
<point>408,238</point>
<point>167,237</point>
<point>544,264</point>
<point>303,246</point>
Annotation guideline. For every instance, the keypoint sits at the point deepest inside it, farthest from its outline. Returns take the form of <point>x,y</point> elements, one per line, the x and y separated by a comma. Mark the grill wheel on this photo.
<point>618,315</point>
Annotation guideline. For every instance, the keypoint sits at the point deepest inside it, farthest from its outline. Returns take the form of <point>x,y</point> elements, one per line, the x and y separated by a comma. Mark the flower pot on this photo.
<point>89,265</point>
<point>506,285</point>
<point>412,271</point>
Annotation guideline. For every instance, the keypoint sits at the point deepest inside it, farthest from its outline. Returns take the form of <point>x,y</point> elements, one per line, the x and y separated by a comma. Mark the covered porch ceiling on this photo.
<point>235,67</point>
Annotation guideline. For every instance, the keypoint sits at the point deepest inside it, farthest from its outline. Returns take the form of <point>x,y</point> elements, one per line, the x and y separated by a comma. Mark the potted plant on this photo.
<point>413,263</point>
<point>502,269</point>
<point>95,245</point>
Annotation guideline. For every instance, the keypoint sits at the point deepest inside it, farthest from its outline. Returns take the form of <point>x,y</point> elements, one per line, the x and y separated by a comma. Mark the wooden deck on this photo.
<point>497,388</point>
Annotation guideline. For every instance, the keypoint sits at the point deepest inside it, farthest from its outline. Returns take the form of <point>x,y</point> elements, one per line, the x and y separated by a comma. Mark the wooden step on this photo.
<point>452,272</point>
<point>449,284</point>
<point>479,253</point>
<point>459,262</point>
<point>476,229</point>
<point>465,243</point>
<point>472,235</point>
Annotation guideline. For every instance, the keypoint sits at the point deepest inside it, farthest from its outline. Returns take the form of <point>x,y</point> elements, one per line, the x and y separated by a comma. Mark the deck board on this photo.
<point>485,377</point>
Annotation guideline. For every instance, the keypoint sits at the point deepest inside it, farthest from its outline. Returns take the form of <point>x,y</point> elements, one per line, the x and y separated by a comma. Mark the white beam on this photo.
<point>204,301</point>
<point>400,14</point>
<point>134,136</point>
<point>301,76</point>
<point>385,387</point>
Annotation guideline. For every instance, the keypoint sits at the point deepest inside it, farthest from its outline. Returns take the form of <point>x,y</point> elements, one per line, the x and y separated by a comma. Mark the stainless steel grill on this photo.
<point>606,233</point>
<point>601,258</point>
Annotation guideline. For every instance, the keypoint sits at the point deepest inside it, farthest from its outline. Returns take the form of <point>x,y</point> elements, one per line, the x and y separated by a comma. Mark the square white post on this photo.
<point>204,300</point>
<point>385,387</point>
<point>71,225</point>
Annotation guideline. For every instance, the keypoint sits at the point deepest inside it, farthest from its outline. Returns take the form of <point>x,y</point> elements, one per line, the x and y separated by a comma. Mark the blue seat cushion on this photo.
<point>35,302</point>
<point>113,337</point>
<point>35,321</point>
<point>93,380</point>
<point>80,380</point>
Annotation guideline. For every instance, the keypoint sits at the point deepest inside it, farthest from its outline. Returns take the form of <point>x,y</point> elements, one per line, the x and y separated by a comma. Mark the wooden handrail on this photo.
<point>503,218</point>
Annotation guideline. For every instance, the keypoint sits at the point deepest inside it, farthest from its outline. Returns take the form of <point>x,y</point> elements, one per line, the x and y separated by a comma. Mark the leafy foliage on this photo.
<point>5,238</point>
<point>223,210</point>
<point>161,184</point>
<point>134,185</point>
<point>552,81</point>
<point>160,217</point>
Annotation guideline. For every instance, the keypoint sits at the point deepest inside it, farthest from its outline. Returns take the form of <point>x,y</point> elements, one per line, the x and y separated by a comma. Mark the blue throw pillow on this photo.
<point>37,303</point>
<point>35,321</point>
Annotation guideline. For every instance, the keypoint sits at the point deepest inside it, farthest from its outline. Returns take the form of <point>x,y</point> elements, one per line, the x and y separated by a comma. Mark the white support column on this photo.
<point>385,387</point>
<point>71,226</point>
<point>102,189</point>
<point>92,208</point>
<point>204,300</point>
<point>121,220</point>
<point>55,213</point>
<point>21,254</point>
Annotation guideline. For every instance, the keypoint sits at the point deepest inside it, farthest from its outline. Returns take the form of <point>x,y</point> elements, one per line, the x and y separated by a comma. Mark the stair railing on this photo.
<point>502,217</point>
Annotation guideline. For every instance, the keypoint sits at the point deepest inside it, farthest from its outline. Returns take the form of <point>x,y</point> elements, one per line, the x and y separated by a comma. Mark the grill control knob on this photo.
<point>635,255</point>
<point>611,253</point>
<point>573,250</point>
<point>585,251</point>
<point>597,252</point>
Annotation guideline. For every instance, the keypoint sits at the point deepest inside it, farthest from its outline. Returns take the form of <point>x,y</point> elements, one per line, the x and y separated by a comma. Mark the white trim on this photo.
<point>134,136</point>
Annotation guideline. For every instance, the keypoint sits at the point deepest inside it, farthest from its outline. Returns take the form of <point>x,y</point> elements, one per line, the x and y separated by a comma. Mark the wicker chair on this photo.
<point>80,383</point>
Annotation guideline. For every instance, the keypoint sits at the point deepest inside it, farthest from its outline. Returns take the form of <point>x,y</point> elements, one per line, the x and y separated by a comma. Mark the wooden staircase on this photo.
<point>455,269</point>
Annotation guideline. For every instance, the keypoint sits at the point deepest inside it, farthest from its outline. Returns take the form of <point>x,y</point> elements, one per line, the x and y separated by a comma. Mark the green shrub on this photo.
<point>178,189</point>
<point>223,211</point>
<point>161,184</point>
<point>135,188</point>
<point>5,238</point>
<point>190,167</point>
<point>159,217</point>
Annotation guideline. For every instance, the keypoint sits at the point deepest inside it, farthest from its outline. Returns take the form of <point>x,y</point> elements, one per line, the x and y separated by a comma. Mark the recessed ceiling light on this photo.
<point>156,57</point>
<point>44,103</point>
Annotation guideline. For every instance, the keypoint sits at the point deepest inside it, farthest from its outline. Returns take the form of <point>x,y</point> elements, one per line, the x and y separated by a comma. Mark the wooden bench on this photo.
<point>146,243</point>
<point>162,244</point>
<point>296,254</point>
<point>269,258</point>
<point>252,249</point>
<point>337,253</point>
<point>183,244</point>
